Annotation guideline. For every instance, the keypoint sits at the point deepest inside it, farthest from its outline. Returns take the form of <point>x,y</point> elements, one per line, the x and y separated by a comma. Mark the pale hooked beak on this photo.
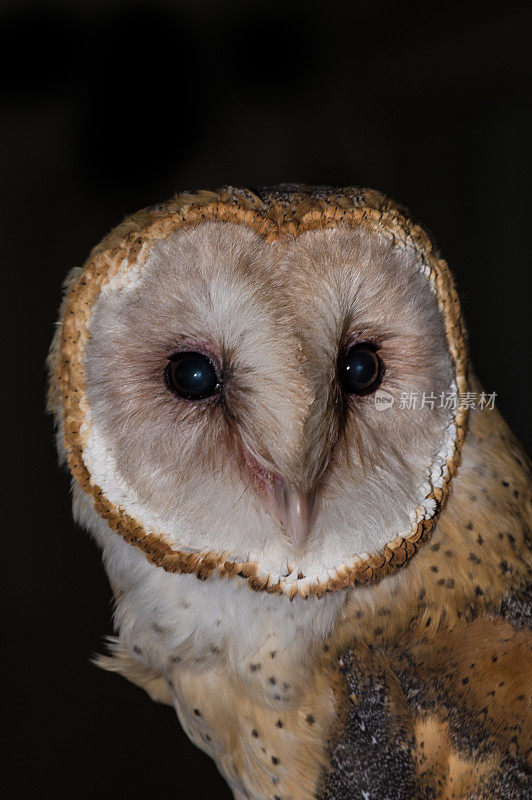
<point>295,511</point>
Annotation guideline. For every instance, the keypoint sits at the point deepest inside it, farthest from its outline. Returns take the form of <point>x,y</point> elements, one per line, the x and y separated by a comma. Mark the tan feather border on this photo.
<point>273,214</point>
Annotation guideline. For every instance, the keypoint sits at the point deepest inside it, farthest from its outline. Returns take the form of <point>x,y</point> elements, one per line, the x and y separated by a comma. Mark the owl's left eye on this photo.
<point>191,376</point>
<point>360,370</point>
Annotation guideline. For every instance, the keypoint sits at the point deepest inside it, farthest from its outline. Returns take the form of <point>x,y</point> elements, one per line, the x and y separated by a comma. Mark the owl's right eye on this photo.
<point>191,376</point>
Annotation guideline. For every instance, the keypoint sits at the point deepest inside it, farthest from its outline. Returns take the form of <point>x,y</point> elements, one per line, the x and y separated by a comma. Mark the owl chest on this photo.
<point>239,669</point>
<point>265,747</point>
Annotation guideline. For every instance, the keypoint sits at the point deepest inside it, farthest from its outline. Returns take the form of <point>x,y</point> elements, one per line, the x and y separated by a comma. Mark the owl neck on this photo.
<point>170,621</point>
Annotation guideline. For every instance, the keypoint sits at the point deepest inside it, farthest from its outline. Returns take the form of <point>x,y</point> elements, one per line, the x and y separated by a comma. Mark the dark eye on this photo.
<point>192,376</point>
<point>360,370</point>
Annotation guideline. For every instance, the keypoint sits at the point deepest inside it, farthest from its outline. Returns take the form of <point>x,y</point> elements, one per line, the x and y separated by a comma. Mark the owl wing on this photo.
<point>447,717</point>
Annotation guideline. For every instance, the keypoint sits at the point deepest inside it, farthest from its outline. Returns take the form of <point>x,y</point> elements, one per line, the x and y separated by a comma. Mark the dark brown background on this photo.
<point>110,106</point>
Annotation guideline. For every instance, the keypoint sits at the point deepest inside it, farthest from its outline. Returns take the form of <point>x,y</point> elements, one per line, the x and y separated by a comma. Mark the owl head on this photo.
<point>263,384</point>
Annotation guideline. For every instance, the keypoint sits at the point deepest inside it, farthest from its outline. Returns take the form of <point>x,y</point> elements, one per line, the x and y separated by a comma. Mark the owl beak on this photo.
<point>295,511</point>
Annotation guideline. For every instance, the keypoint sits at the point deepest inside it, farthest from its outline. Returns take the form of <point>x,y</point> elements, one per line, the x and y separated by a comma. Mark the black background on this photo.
<point>109,106</point>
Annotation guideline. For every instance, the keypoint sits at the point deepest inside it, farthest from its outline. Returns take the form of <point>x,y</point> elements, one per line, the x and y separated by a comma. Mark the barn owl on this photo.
<point>313,523</point>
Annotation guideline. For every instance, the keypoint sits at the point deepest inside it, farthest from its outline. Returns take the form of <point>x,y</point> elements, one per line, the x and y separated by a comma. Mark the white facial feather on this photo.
<point>274,315</point>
